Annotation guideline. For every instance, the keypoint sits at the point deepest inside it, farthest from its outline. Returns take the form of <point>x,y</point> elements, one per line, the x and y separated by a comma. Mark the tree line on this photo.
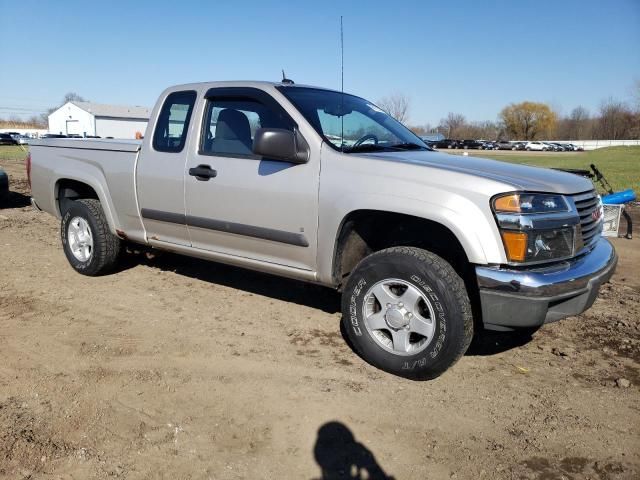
<point>613,120</point>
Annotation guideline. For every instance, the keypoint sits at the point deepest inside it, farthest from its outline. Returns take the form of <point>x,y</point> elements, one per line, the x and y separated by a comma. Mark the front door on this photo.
<point>242,204</point>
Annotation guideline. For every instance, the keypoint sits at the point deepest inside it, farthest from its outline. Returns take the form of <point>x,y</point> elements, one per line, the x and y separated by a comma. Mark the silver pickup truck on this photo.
<point>325,187</point>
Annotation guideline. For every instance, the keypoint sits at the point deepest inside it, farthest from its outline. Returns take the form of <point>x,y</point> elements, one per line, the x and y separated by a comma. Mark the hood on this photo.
<point>520,177</point>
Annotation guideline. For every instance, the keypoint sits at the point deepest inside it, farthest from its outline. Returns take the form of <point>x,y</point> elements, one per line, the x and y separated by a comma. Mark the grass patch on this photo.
<point>13,152</point>
<point>619,165</point>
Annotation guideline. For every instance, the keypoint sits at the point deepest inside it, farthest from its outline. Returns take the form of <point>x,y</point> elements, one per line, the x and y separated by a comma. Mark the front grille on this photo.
<point>591,226</point>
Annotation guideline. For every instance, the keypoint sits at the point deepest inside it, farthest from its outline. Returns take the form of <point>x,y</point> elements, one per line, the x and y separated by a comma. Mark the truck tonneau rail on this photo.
<point>89,144</point>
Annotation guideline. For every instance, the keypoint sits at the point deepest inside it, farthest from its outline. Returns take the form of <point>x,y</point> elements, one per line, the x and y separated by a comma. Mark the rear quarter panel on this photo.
<point>107,167</point>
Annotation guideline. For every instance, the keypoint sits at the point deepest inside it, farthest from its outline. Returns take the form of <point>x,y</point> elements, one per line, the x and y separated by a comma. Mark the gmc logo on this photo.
<point>596,214</point>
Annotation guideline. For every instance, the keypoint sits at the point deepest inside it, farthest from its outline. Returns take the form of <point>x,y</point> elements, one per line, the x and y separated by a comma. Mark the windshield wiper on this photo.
<point>368,147</point>
<point>407,146</point>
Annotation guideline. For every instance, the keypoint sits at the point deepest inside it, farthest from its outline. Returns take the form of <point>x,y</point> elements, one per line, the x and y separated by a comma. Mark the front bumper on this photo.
<point>513,298</point>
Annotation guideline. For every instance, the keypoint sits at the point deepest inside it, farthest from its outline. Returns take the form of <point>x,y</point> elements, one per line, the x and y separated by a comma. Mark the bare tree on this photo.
<point>422,130</point>
<point>396,105</point>
<point>36,121</point>
<point>451,125</point>
<point>616,121</point>
<point>72,97</point>
<point>579,121</point>
<point>635,94</point>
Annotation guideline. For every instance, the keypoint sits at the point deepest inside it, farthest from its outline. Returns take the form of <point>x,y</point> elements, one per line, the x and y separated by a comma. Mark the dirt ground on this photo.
<point>181,369</point>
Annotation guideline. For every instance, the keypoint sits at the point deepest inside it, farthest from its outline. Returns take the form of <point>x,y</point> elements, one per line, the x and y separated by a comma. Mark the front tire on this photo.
<point>406,311</point>
<point>88,244</point>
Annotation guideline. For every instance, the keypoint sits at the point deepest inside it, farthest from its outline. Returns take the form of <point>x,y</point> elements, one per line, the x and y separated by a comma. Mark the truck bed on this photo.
<point>106,165</point>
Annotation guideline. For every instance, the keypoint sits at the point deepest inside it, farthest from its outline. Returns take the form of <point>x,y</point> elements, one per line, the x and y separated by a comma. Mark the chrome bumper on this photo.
<point>513,298</point>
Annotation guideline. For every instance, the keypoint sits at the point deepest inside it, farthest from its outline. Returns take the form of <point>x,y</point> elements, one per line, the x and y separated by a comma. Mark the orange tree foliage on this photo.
<point>528,120</point>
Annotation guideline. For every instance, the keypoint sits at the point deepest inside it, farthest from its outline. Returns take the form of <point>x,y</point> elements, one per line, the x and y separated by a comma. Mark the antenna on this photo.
<point>341,56</point>
<point>286,80</point>
<point>341,86</point>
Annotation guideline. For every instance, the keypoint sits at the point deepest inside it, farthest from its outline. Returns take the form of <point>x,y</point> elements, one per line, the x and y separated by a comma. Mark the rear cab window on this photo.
<point>172,125</point>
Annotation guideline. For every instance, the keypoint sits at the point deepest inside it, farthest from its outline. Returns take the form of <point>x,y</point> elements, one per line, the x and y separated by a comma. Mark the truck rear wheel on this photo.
<point>406,311</point>
<point>90,247</point>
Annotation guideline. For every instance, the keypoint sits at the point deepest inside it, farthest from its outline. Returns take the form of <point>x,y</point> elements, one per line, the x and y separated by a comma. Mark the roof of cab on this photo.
<point>241,83</point>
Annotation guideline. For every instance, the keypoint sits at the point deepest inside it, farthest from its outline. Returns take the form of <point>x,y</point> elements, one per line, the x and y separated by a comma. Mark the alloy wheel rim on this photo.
<point>399,317</point>
<point>80,239</point>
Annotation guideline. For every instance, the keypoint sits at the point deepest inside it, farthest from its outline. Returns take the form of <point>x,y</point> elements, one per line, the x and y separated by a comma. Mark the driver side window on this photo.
<point>230,125</point>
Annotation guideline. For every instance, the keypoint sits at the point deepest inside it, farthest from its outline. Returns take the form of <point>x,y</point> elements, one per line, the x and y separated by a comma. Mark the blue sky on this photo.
<point>471,57</point>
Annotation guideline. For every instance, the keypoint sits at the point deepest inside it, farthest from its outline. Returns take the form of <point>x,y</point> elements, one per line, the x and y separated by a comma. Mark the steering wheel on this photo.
<point>361,140</point>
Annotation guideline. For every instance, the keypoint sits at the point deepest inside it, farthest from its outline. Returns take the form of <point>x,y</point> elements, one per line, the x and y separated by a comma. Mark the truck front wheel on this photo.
<point>406,311</point>
<point>90,247</point>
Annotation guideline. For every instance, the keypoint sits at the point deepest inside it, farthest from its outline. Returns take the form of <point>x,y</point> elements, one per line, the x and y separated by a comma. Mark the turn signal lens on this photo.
<point>515,244</point>
<point>508,203</point>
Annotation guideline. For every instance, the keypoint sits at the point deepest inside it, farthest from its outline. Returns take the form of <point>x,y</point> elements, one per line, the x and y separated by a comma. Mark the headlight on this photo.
<point>530,203</point>
<point>537,227</point>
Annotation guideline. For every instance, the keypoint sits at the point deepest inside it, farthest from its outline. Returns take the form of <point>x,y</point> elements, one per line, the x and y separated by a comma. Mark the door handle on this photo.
<point>203,172</point>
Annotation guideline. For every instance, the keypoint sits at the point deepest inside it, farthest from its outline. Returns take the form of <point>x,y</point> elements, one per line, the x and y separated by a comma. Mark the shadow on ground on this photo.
<point>15,200</point>
<point>340,456</point>
<point>314,296</point>
<point>487,342</point>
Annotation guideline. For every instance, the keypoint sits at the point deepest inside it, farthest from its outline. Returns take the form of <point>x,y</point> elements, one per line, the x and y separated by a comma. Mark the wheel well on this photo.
<point>367,231</point>
<point>70,190</point>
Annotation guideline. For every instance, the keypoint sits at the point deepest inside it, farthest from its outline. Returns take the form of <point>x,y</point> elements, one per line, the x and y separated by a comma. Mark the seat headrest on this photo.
<point>232,125</point>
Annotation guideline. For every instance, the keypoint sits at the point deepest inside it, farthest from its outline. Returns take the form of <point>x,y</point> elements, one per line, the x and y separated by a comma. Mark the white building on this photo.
<point>95,119</point>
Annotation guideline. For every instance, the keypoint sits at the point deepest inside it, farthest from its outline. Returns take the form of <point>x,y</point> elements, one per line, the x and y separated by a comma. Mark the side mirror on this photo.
<point>281,144</point>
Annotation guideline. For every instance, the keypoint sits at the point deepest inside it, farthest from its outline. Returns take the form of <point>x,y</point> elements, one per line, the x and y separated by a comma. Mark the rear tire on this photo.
<point>406,311</point>
<point>88,244</point>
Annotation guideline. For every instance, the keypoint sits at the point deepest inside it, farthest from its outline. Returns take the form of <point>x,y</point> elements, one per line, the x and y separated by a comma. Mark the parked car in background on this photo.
<point>536,147</point>
<point>53,135</point>
<point>574,148</point>
<point>489,146</point>
<point>503,145</point>
<point>4,186</point>
<point>470,144</point>
<point>6,139</point>
<point>446,143</point>
<point>22,139</point>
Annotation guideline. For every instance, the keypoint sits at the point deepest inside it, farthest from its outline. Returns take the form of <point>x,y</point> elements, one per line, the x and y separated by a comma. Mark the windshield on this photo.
<point>351,124</point>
